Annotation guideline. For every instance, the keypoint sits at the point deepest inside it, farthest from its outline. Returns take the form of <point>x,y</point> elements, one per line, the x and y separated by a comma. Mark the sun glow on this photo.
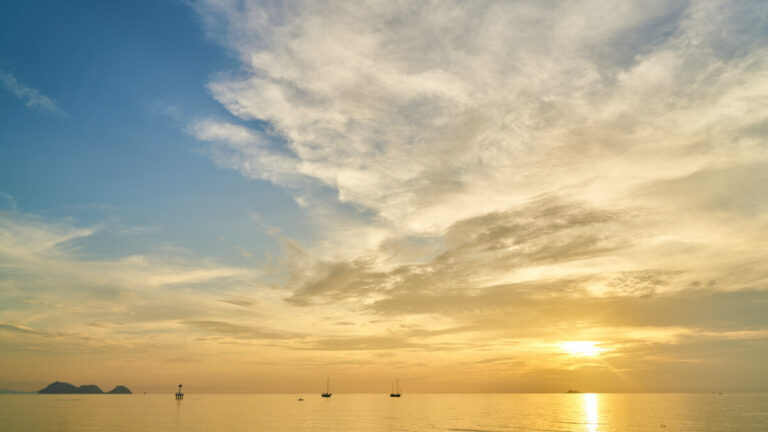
<point>581,348</point>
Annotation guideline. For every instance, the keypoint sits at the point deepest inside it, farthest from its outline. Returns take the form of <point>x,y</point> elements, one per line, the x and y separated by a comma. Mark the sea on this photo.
<point>379,412</point>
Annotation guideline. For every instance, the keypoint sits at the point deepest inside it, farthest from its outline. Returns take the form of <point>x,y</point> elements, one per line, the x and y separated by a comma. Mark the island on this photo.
<point>59,387</point>
<point>119,390</point>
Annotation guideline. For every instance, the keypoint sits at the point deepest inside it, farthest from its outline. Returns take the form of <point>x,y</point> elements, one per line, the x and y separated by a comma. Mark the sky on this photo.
<point>489,196</point>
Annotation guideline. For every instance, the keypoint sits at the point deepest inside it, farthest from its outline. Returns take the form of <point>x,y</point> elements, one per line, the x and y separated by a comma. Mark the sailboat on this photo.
<point>327,388</point>
<point>395,393</point>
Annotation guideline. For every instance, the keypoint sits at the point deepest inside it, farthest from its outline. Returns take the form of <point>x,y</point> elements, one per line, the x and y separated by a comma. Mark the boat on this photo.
<point>395,392</point>
<point>573,391</point>
<point>327,393</point>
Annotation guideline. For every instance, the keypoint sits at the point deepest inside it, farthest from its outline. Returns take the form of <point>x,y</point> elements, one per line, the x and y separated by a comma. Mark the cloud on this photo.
<point>514,309</point>
<point>735,189</point>
<point>46,284</point>
<point>433,113</point>
<point>242,302</point>
<point>508,174</point>
<point>449,122</point>
<point>475,253</point>
<point>32,97</point>
<point>487,178</point>
<point>22,329</point>
<point>239,331</point>
<point>364,343</point>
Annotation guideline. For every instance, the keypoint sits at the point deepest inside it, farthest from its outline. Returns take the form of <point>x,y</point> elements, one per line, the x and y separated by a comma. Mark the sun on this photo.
<point>581,348</point>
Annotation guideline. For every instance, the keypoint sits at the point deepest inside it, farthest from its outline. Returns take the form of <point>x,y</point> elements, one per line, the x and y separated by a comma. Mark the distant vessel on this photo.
<point>573,391</point>
<point>179,395</point>
<point>327,388</point>
<point>395,393</point>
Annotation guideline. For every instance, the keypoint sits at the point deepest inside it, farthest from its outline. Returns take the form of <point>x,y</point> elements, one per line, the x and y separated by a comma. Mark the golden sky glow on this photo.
<point>491,196</point>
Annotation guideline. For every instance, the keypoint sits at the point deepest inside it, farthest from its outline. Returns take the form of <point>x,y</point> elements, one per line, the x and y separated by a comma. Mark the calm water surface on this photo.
<point>363,413</point>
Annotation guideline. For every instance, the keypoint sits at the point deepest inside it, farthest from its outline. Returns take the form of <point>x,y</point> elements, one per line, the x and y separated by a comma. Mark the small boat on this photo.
<point>573,391</point>
<point>327,393</point>
<point>395,393</point>
<point>301,399</point>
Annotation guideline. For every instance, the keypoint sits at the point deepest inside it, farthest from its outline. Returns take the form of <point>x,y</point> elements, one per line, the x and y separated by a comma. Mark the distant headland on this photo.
<point>58,387</point>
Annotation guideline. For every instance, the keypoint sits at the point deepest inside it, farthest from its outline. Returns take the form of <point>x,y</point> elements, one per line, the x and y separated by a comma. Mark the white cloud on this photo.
<point>428,113</point>
<point>45,283</point>
<point>488,179</point>
<point>31,96</point>
<point>428,117</point>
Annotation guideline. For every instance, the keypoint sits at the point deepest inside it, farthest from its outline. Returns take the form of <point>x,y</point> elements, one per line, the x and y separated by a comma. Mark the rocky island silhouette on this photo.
<point>59,387</point>
<point>119,390</point>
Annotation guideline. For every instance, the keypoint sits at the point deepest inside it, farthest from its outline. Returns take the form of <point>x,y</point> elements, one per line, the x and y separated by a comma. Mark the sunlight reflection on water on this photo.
<point>590,403</point>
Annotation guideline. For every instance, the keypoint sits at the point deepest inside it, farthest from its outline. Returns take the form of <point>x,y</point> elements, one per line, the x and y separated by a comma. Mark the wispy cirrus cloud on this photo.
<point>431,113</point>
<point>31,96</point>
<point>524,171</point>
<point>45,283</point>
<point>487,179</point>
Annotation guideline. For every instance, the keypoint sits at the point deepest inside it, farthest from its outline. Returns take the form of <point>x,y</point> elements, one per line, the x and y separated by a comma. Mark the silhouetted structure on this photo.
<point>179,395</point>
<point>395,393</point>
<point>327,393</point>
